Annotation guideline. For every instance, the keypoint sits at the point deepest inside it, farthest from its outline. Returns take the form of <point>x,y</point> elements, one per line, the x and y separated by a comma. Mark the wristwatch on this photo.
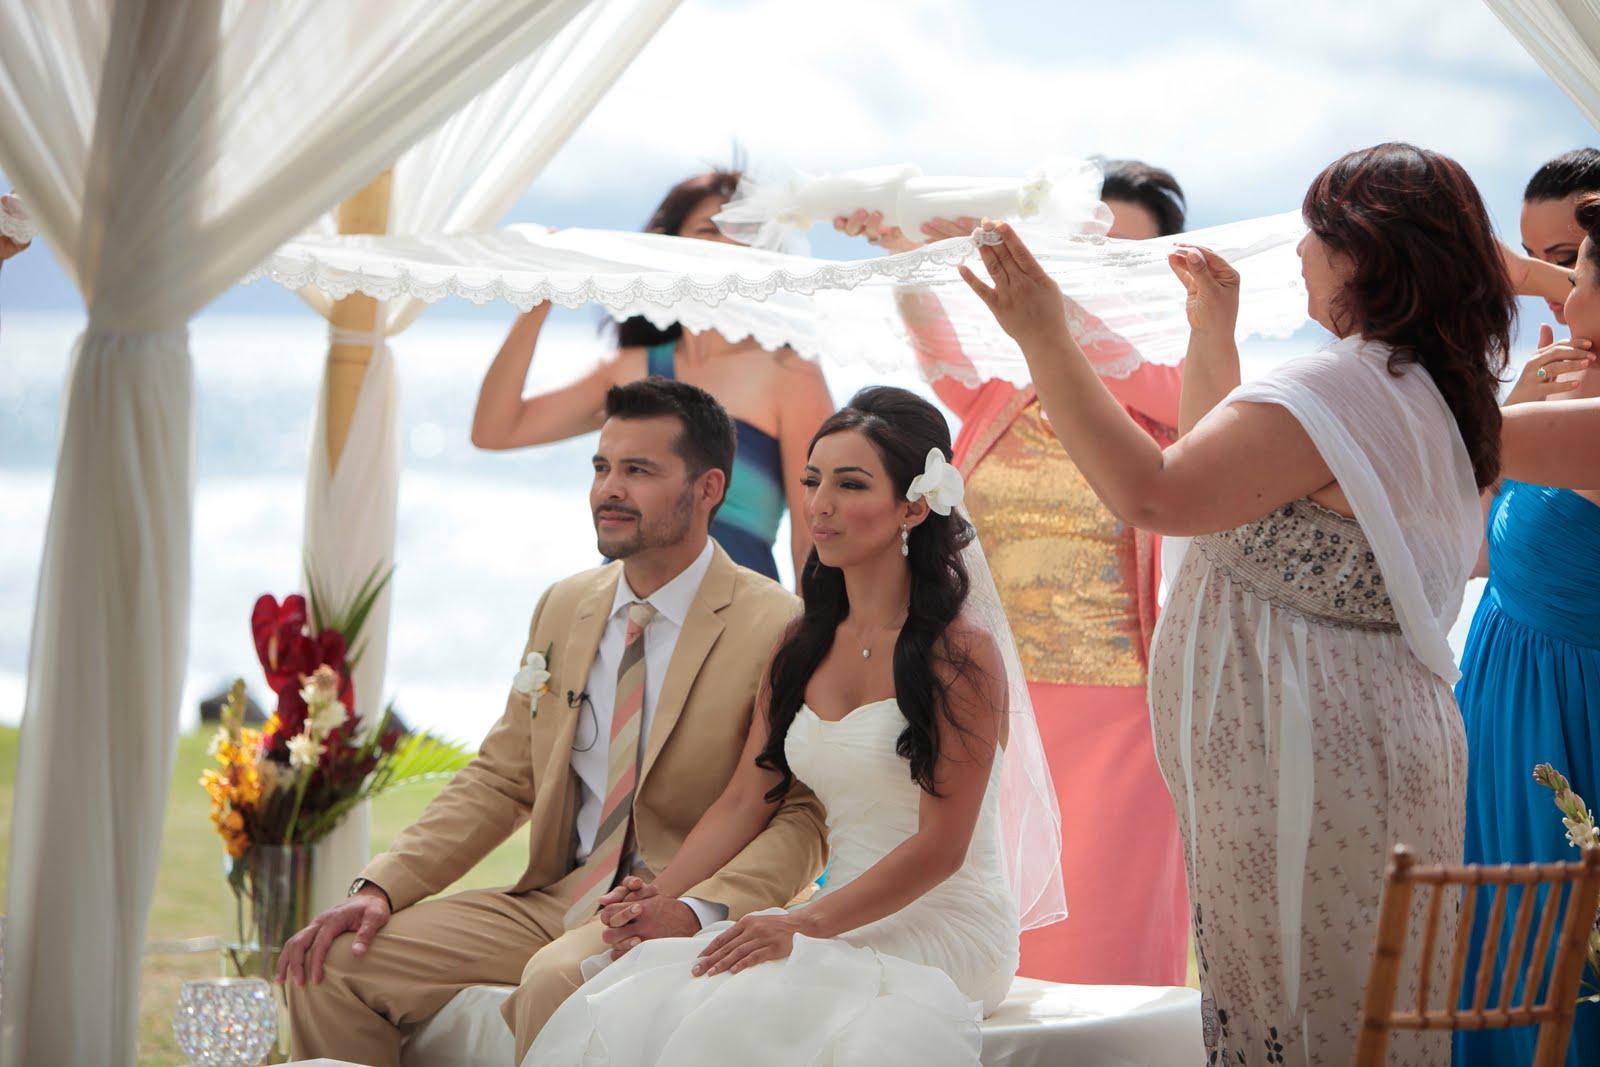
<point>355,887</point>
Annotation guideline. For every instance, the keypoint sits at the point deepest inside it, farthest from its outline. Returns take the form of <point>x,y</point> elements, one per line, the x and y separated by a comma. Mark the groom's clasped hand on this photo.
<point>636,911</point>
<point>632,912</point>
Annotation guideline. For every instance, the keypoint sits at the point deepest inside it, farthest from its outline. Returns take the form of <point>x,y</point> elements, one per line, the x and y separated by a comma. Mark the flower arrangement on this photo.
<point>1581,833</point>
<point>292,781</point>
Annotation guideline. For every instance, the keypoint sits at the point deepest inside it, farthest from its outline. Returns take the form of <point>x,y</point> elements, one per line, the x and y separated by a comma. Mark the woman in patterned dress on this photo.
<point>1300,677</point>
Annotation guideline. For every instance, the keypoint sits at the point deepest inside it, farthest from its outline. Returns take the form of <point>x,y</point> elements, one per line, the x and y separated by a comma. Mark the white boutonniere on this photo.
<point>534,677</point>
<point>939,484</point>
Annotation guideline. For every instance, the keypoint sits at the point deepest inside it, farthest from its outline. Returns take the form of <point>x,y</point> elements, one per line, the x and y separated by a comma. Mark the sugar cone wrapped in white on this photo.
<point>1063,195</point>
<point>776,214</point>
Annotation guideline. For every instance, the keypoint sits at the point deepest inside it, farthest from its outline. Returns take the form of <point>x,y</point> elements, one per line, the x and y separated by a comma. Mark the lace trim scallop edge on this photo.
<point>297,271</point>
<point>684,301</point>
<point>690,303</point>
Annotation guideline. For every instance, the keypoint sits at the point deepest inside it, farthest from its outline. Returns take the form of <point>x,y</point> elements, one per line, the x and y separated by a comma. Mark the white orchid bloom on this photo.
<point>325,719</point>
<point>305,751</point>
<point>533,676</point>
<point>939,484</point>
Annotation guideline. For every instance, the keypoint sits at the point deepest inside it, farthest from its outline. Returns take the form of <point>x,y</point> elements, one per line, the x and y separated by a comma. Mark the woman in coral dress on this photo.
<point>1079,588</point>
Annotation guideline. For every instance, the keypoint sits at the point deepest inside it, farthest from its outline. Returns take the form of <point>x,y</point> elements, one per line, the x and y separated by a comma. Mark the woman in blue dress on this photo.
<point>777,399</point>
<point>1530,684</point>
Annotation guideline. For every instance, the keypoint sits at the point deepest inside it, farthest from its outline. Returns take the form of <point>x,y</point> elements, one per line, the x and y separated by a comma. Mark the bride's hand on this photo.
<point>1213,285</point>
<point>753,939</point>
<point>1024,299</point>
<point>627,891</point>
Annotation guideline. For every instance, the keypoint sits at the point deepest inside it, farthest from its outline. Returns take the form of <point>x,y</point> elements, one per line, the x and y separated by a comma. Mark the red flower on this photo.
<point>292,712</point>
<point>279,631</point>
<point>286,650</point>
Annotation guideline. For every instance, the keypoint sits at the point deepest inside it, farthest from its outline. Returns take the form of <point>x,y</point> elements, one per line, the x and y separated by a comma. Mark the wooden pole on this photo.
<point>365,212</point>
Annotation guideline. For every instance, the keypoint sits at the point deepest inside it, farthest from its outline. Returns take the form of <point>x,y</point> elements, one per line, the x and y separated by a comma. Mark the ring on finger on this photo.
<point>1543,374</point>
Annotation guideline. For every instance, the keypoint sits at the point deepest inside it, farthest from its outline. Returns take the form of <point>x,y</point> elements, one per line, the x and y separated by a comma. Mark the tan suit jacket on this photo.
<point>523,771</point>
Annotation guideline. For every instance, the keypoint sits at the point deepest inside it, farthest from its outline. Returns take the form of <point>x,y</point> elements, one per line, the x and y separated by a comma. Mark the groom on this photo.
<point>653,664</point>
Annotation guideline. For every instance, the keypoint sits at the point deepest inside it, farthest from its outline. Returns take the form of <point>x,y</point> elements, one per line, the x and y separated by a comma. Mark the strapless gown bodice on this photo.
<point>966,925</point>
<point>908,988</point>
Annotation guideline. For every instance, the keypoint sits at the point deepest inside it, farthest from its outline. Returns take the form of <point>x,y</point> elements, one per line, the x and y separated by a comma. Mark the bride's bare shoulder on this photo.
<point>969,643</point>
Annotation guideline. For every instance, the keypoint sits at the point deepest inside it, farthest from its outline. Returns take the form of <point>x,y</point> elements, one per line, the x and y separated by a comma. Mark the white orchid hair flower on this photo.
<point>939,484</point>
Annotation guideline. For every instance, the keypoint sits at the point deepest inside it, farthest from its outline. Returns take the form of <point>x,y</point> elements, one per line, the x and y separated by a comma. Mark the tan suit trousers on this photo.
<point>425,955</point>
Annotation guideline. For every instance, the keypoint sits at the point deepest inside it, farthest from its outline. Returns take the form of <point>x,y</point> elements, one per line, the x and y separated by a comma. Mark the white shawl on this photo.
<point>1393,446</point>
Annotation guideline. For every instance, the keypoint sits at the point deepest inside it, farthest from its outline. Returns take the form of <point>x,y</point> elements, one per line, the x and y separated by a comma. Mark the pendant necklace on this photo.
<point>866,648</point>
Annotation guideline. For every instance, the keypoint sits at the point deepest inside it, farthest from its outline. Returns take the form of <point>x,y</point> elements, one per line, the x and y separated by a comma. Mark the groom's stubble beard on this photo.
<point>670,529</point>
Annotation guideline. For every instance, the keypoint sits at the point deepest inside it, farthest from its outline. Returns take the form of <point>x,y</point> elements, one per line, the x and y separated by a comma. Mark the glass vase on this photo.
<point>271,889</point>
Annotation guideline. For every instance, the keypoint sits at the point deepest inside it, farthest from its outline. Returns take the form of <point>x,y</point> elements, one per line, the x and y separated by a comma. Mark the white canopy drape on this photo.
<point>164,147</point>
<point>468,173</point>
<point>1563,36</point>
<point>463,176</point>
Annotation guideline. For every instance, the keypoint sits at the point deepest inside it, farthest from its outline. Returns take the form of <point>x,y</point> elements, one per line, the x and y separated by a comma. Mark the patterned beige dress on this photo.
<point>1285,625</point>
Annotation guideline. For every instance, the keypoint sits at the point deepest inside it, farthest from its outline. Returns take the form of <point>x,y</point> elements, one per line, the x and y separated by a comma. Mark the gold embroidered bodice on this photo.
<point>1064,565</point>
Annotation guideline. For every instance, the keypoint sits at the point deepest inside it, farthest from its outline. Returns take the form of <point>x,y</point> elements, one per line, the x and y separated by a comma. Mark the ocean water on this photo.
<point>480,535</point>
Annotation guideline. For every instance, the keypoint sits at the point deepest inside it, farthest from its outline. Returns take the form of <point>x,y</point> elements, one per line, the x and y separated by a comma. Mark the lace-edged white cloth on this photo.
<point>842,311</point>
<point>14,221</point>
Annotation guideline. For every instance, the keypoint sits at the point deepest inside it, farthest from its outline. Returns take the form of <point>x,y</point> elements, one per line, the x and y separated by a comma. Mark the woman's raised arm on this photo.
<point>1238,462</point>
<point>505,418</point>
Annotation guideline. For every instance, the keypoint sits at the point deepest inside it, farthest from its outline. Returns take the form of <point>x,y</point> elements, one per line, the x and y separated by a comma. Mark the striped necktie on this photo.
<point>611,841</point>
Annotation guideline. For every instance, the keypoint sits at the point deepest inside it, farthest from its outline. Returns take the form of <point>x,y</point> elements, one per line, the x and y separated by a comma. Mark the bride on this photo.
<point>893,697</point>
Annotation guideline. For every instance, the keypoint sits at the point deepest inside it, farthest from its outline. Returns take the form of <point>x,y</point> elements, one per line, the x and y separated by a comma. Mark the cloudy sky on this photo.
<point>1243,99</point>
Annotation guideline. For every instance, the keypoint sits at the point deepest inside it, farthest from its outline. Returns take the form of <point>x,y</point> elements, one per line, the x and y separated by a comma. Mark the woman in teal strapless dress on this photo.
<point>777,399</point>
<point>1530,673</point>
<point>1530,694</point>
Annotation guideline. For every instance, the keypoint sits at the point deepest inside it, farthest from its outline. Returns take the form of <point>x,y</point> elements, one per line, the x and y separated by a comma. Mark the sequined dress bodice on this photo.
<point>1063,563</point>
<point>1310,560</point>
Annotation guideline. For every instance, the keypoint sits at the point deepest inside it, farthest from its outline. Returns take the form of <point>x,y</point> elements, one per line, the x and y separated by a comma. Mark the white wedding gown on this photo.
<point>908,988</point>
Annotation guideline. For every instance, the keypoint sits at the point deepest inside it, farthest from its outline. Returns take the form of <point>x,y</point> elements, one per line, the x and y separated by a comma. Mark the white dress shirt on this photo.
<point>591,742</point>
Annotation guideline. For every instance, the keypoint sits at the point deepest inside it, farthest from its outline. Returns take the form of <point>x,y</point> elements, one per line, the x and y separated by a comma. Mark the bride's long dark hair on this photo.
<point>902,427</point>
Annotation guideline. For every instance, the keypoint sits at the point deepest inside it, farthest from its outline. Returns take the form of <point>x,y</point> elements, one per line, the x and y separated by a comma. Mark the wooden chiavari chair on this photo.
<point>1553,1014</point>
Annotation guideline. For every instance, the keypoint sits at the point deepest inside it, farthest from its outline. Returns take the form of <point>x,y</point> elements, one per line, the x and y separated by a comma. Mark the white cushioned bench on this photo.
<point>1041,1024</point>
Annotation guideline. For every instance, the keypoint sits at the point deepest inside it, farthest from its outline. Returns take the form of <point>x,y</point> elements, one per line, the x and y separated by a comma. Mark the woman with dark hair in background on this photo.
<point>777,399</point>
<point>1079,587</point>
<point>890,699</point>
<point>1530,672</point>
<point>1301,678</point>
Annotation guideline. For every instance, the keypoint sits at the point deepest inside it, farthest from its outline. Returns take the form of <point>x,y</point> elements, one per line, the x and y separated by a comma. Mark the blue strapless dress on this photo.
<point>747,523</point>
<point>1530,694</point>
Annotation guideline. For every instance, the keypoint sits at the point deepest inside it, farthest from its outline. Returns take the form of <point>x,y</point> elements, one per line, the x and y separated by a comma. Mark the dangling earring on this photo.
<point>905,540</point>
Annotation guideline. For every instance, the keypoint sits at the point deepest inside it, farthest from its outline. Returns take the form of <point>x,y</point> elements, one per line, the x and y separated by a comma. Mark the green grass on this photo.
<point>191,893</point>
